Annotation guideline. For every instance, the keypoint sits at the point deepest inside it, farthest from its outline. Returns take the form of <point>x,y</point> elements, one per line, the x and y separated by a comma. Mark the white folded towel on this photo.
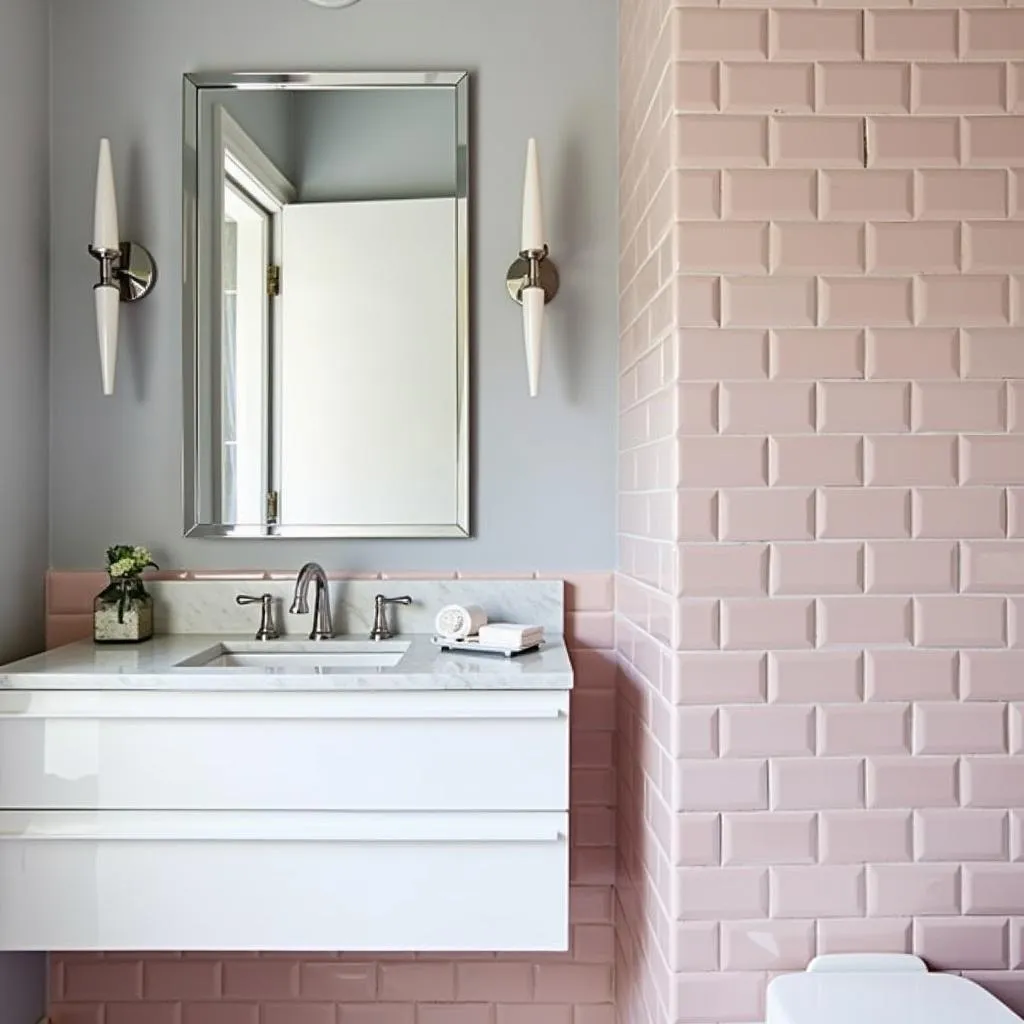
<point>510,635</point>
<point>457,621</point>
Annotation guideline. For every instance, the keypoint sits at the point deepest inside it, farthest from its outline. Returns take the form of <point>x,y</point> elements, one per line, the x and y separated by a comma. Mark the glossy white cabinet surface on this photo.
<point>441,751</point>
<point>155,809</point>
<point>303,882</point>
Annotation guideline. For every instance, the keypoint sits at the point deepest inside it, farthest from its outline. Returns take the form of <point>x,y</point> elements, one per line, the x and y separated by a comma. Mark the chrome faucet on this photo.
<point>323,629</point>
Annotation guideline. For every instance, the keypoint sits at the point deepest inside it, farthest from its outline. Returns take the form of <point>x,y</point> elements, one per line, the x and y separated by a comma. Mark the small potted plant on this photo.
<point>123,610</point>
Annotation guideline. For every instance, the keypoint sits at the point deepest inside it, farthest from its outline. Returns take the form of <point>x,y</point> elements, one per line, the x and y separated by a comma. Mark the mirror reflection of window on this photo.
<point>244,355</point>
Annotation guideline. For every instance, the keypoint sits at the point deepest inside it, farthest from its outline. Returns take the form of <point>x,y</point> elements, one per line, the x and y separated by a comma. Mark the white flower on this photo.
<point>123,567</point>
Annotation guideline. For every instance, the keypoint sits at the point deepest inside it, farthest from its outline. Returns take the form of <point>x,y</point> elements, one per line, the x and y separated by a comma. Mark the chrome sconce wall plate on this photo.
<point>127,269</point>
<point>533,278</point>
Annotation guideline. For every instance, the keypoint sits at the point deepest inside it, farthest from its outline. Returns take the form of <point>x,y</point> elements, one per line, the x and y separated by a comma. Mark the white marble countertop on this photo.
<point>156,665</point>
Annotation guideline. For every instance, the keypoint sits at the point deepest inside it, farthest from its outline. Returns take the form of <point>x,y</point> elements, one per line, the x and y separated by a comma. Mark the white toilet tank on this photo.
<point>876,989</point>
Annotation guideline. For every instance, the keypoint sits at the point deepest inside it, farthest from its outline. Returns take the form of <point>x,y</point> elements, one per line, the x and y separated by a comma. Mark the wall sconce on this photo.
<point>533,278</point>
<point>127,270</point>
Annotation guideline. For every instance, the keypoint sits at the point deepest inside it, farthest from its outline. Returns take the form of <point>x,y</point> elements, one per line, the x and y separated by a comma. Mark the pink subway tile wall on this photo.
<point>819,610</point>
<point>679,438</point>
<point>481,988</point>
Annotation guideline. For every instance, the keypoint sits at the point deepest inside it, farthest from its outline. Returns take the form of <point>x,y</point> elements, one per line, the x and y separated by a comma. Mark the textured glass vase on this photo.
<point>122,612</point>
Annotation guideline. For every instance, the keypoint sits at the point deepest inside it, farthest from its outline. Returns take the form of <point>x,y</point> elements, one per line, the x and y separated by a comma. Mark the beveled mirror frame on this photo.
<point>193,266</point>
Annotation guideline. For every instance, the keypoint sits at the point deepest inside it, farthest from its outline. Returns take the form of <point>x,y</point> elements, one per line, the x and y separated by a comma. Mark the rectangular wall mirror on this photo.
<point>326,277</point>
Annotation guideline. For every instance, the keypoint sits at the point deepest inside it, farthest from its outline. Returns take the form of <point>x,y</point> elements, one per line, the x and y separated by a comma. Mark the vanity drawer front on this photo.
<point>299,882</point>
<point>436,752</point>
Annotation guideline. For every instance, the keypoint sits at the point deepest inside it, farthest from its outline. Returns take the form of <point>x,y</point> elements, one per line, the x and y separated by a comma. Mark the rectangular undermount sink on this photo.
<point>299,656</point>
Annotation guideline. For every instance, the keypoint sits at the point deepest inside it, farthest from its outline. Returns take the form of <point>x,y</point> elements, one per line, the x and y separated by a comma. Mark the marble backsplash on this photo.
<point>208,606</point>
<point>204,601</point>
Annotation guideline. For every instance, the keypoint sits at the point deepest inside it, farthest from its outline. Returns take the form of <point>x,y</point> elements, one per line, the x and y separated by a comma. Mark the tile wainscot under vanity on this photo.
<point>180,795</point>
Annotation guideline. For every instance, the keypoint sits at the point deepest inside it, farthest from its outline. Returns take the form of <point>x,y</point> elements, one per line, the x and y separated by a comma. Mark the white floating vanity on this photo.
<point>203,792</point>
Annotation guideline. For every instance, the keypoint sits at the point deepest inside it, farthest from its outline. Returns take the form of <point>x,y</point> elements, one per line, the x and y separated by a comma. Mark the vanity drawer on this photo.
<point>305,882</point>
<point>490,751</point>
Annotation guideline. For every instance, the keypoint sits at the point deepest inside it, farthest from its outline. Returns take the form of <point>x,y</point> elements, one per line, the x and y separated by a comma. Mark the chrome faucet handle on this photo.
<point>381,630</point>
<point>267,630</point>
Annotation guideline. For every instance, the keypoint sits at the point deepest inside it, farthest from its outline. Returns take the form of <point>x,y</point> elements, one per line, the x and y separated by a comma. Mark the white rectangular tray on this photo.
<point>473,646</point>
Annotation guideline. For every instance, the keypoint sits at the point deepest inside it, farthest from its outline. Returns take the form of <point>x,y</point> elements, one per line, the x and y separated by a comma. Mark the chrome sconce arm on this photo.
<point>533,269</point>
<point>130,269</point>
<point>127,269</point>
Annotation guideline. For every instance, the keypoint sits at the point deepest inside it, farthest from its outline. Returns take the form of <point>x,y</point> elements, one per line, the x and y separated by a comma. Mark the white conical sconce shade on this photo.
<point>533,332</point>
<point>534,236</point>
<point>105,233</point>
<point>533,279</point>
<point>108,309</point>
<point>127,270</point>
<point>106,237</point>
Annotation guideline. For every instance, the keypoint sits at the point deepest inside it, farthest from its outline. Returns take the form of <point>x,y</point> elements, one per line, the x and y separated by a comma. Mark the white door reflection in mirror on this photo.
<point>254,195</point>
<point>367,382</point>
<point>245,354</point>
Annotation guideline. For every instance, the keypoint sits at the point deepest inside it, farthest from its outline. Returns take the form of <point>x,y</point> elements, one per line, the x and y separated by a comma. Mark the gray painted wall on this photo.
<point>24,228</point>
<point>24,127</point>
<point>376,144</point>
<point>543,470</point>
<point>22,975</point>
<point>267,118</point>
